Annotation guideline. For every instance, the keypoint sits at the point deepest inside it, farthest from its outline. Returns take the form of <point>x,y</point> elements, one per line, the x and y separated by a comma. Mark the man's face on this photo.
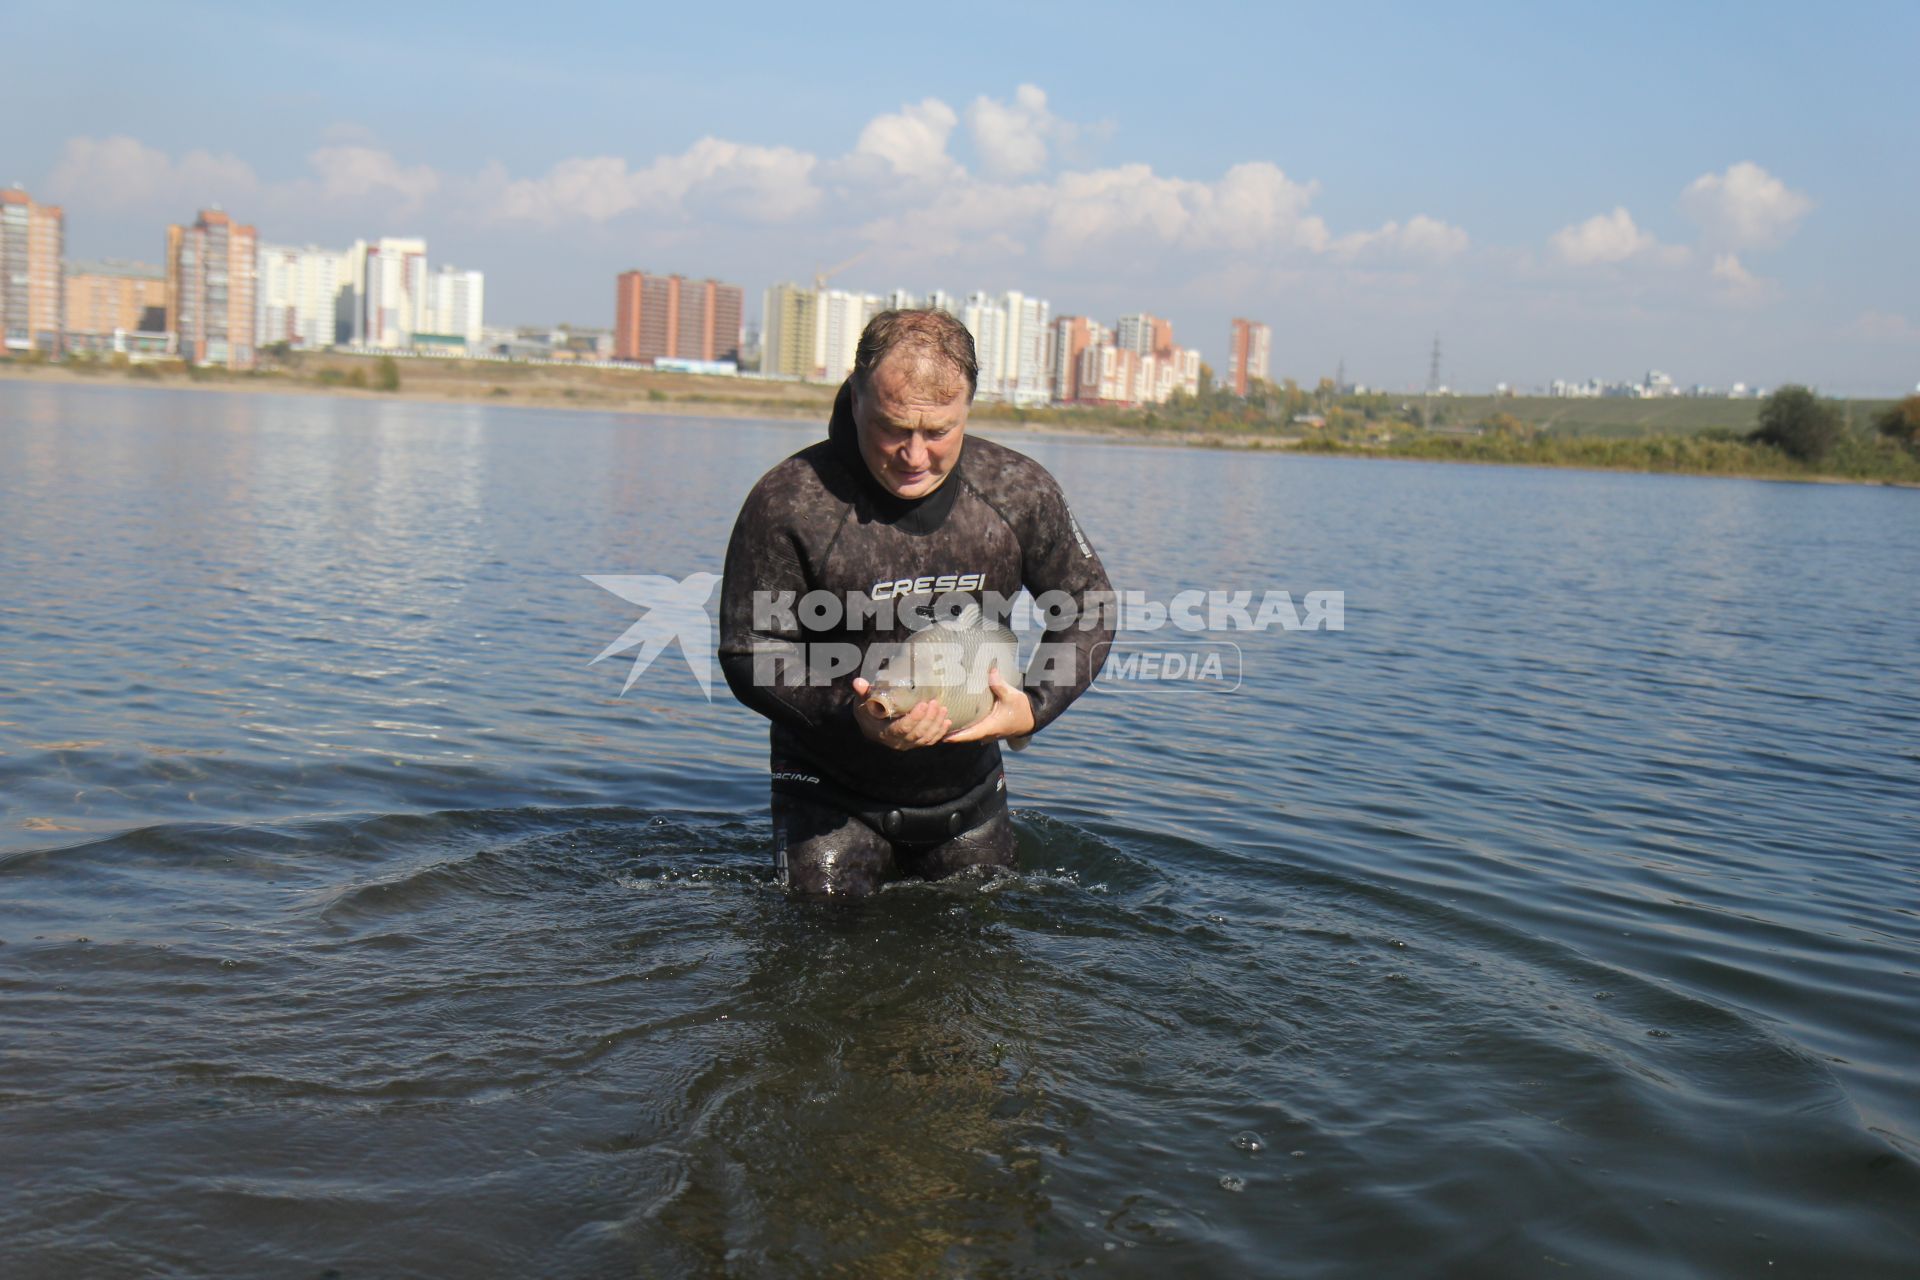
<point>910,421</point>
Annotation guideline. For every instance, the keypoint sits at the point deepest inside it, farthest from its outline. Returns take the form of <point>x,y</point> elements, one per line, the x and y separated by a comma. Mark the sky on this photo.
<point>1724,192</point>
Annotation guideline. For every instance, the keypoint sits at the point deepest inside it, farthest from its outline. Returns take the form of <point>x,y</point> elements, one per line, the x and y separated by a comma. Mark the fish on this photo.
<point>948,661</point>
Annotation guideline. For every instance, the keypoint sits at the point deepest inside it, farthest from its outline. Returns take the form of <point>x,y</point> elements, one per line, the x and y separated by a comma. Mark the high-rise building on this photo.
<point>1144,334</point>
<point>105,299</point>
<point>789,331</point>
<point>841,318</point>
<point>644,315</point>
<point>1114,374</point>
<point>212,269</point>
<point>986,319</point>
<point>1175,369</point>
<point>1072,335</point>
<point>33,239</point>
<point>1109,375</point>
<point>300,295</point>
<point>456,305</point>
<point>941,300</point>
<point>1014,345</point>
<point>726,321</point>
<point>672,317</point>
<point>1247,362</point>
<point>383,301</point>
<point>1028,359</point>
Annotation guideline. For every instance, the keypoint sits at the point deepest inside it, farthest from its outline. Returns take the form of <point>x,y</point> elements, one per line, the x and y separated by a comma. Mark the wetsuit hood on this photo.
<point>915,515</point>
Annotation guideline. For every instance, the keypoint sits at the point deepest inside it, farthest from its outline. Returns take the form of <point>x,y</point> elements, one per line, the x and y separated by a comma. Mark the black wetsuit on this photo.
<point>848,812</point>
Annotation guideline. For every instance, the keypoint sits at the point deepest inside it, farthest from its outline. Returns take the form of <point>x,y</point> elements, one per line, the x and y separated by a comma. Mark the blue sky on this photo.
<point>1722,192</point>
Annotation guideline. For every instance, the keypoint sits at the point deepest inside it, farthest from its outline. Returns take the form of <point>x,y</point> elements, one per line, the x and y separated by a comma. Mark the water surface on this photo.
<point>1556,916</point>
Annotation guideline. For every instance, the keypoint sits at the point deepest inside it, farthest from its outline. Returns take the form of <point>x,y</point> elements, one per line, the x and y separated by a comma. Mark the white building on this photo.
<point>455,304</point>
<point>840,318</point>
<point>299,295</point>
<point>386,293</point>
<point>1117,375</point>
<point>1026,357</point>
<point>986,319</point>
<point>1176,370</point>
<point>1137,333</point>
<point>1014,345</point>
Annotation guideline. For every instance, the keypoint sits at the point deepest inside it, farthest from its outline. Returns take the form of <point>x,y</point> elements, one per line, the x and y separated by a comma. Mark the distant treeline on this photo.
<point>1853,456</point>
<point>1792,434</point>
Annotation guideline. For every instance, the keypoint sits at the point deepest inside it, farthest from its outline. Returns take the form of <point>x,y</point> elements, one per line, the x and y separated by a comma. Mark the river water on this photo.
<point>1555,916</point>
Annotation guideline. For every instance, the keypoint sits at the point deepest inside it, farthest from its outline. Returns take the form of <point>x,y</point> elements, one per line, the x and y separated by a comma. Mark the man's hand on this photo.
<point>1011,716</point>
<point>923,726</point>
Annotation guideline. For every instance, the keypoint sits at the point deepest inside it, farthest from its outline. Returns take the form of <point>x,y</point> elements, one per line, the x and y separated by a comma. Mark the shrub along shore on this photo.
<point>1854,457</point>
<point>1862,441</point>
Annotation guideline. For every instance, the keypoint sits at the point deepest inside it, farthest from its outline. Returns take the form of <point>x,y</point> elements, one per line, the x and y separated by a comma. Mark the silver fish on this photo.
<point>948,662</point>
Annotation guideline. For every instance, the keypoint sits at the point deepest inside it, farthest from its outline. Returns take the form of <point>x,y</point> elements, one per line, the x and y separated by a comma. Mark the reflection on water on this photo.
<point>1555,916</point>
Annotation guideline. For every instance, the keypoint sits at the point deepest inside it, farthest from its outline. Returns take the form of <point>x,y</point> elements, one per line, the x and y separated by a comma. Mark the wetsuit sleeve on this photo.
<point>762,652</point>
<point>1056,556</point>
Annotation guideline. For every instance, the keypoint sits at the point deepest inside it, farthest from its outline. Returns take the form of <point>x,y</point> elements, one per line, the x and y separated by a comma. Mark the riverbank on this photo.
<point>601,390</point>
<point>1855,459</point>
<point>1695,438</point>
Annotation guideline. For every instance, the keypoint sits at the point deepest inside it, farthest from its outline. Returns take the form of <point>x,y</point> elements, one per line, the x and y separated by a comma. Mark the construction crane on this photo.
<point>820,278</point>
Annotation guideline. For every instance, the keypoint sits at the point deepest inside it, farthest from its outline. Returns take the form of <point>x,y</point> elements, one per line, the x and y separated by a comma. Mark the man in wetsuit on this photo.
<point>898,510</point>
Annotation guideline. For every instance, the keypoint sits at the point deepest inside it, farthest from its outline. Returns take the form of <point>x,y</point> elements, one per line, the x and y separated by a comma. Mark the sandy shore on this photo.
<point>594,389</point>
<point>573,391</point>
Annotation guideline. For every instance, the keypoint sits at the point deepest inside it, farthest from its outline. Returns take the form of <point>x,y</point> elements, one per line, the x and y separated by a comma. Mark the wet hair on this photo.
<point>936,342</point>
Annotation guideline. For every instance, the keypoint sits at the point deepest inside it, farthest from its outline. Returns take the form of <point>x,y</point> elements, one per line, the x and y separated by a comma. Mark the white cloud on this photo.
<point>977,219</point>
<point>904,149</point>
<point>1737,284</point>
<point>1884,326</point>
<point>1253,206</point>
<point>713,176</point>
<point>1421,239</point>
<point>898,192</point>
<point>1015,138</point>
<point>351,173</point>
<point>1252,214</point>
<point>1091,211</point>
<point>1745,208</point>
<point>1603,238</point>
<point>123,173</point>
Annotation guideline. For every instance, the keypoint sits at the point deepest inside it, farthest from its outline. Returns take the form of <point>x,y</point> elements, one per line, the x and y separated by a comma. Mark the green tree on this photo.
<point>1511,428</point>
<point>1901,422</point>
<point>1799,424</point>
<point>386,374</point>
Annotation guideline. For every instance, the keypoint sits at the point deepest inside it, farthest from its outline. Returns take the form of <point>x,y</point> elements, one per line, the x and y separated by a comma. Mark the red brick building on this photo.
<point>1247,364</point>
<point>212,268</point>
<point>32,281</point>
<point>671,317</point>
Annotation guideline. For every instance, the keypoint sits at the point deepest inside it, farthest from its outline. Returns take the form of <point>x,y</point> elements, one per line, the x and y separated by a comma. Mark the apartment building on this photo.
<point>32,281</point>
<point>212,273</point>
<point>672,317</point>
<point>1249,349</point>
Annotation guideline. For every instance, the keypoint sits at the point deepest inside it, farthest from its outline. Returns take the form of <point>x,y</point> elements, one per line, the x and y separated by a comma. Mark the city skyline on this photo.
<point>1672,190</point>
<point>381,296</point>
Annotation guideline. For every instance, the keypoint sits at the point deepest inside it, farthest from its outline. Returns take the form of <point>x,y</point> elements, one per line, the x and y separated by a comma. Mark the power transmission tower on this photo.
<point>1433,369</point>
